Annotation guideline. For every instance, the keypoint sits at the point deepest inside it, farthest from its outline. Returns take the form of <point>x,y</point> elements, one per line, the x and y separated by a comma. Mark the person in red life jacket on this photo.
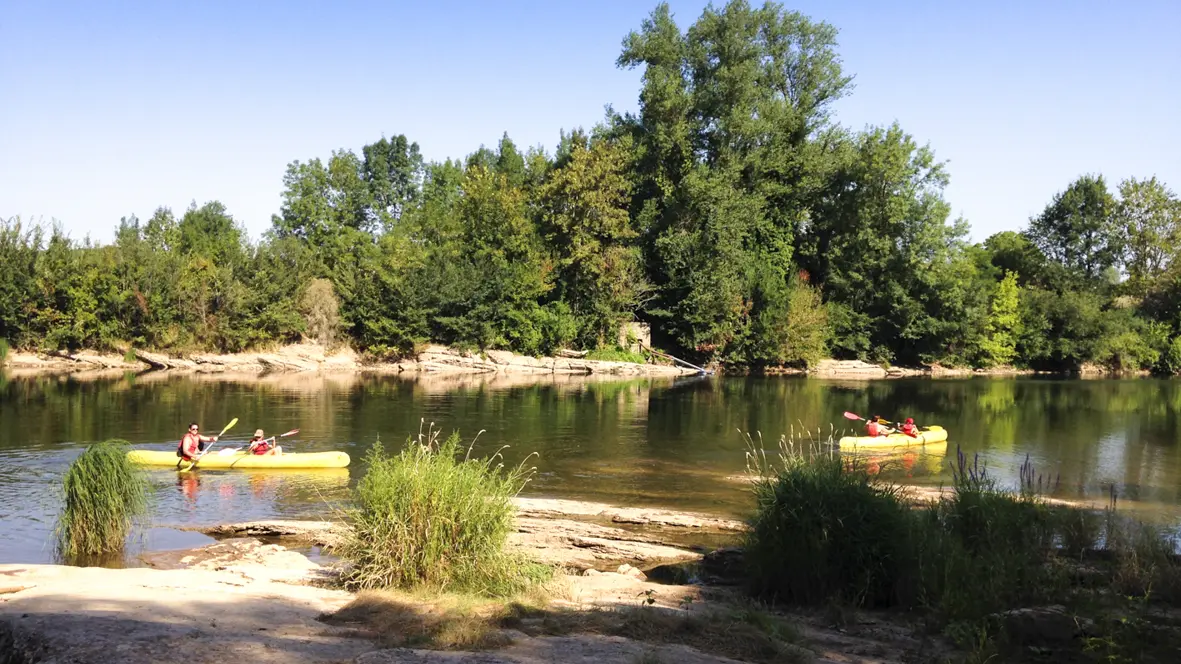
<point>193,443</point>
<point>261,445</point>
<point>874,427</point>
<point>909,428</point>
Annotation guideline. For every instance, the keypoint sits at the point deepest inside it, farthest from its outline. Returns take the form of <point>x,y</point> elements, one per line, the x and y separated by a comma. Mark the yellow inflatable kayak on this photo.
<point>242,460</point>
<point>928,437</point>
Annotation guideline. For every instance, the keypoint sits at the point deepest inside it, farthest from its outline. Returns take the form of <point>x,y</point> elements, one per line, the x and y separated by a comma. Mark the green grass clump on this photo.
<point>3,350</point>
<point>824,531</point>
<point>103,495</point>
<point>432,518</point>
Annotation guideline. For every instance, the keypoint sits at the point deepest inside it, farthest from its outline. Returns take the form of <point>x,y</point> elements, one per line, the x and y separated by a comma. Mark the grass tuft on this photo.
<point>823,529</point>
<point>103,495</point>
<point>430,517</point>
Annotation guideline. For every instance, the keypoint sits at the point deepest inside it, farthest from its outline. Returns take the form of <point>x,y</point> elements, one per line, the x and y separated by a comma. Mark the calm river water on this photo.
<point>672,443</point>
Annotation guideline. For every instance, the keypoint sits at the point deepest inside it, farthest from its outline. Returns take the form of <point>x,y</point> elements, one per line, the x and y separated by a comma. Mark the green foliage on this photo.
<point>730,212</point>
<point>103,493</point>
<point>1148,217</point>
<point>1004,324</point>
<point>824,531</point>
<point>1077,229</point>
<point>430,517</point>
<point>821,533</point>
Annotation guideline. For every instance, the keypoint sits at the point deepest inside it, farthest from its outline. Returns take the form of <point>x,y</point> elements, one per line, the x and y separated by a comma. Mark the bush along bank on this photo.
<point>1001,572</point>
<point>433,517</point>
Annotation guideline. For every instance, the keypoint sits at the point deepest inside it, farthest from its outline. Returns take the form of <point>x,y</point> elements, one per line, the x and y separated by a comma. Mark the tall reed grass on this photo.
<point>103,494</point>
<point>434,517</point>
<point>3,350</point>
<point>824,529</point>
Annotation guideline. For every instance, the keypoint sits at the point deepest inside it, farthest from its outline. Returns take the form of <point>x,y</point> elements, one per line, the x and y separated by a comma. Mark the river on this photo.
<point>671,443</point>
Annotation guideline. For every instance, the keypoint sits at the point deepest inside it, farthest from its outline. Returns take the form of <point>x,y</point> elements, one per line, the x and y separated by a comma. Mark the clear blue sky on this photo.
<point>115,108</point>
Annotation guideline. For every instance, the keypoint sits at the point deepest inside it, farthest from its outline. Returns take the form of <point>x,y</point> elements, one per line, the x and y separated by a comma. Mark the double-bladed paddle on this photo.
<point>231,450</point>
<point>198,458</point>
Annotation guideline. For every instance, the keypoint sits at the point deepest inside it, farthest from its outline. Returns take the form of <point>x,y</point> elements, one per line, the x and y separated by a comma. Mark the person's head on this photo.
<point>876,418</point>
<point>910,420</point>
<point>258,435</point>
<point>194,427</point>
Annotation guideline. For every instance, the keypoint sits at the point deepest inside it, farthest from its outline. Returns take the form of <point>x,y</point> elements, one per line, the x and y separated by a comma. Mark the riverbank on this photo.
<point>441,360</point>
<point>624,596</point>
<point>433,359</point>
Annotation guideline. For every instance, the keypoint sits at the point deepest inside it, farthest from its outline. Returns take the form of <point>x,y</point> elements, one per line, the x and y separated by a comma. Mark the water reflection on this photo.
<point>640,442</point>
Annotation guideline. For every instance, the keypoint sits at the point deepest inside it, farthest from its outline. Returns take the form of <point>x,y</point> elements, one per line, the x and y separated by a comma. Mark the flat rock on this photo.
<point>579,545</point>
<point>322,533</point>
<point>543,507</point>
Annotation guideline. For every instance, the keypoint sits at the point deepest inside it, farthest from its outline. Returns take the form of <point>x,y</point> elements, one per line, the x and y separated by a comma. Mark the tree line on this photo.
<point>731,212</point>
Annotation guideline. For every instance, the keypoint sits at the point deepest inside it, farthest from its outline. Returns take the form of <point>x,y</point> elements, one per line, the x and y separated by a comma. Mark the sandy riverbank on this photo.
<point>245,600</point>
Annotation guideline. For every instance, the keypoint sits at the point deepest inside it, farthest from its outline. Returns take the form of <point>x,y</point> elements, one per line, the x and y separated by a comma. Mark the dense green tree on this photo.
<point>1148,216</point>
<point>1077,231</point>
<point>598,266</point>
<point>1004,324</point>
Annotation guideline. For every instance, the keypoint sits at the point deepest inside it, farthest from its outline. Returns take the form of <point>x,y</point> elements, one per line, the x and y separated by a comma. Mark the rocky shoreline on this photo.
<point>250,598</point>
<point>433,359</point>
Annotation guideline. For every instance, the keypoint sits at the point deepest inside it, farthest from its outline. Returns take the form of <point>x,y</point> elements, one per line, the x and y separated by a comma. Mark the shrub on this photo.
<point>428,517</point>
<point>103,495</point>
<point>823,530</point>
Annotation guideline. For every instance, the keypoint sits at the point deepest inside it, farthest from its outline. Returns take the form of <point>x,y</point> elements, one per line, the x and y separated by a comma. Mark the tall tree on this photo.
<point>1077,230</point>
<point>598,267</point>
<point>1149,217</point>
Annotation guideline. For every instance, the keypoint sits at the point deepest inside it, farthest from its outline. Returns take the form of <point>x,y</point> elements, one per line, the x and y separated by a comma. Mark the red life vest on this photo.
<point>188,447</point>
<point>910,430</point>
<point>263,447</point>
<point>873,428</point>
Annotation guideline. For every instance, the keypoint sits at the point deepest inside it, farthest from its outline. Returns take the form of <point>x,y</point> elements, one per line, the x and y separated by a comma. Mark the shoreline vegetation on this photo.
<point>731,213</point>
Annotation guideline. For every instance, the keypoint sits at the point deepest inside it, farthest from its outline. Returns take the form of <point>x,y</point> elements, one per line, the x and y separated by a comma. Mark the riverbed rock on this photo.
<point>549,507</point>
<point>320,533</point>
<point>1045,625</point>
<point>578,545</point>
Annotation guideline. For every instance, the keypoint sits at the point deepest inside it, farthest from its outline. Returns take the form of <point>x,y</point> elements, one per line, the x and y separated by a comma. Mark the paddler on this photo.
<point>259,444</point>
<point>875,427</point>
<point>909,428</point>
<point>193,443</point>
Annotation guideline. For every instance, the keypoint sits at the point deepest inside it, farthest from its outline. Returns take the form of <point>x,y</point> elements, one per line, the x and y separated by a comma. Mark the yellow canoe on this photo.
<point>241,460</point>
<point>929,437</point>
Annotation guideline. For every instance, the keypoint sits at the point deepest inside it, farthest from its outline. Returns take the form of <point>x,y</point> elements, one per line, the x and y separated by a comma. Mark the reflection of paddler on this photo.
<point>189,483</point>
<point>262,484</point>
<point>225,491</point>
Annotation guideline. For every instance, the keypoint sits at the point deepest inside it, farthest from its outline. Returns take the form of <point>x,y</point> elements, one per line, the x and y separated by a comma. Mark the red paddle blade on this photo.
<point>289,433</point>
<point>852,416</point>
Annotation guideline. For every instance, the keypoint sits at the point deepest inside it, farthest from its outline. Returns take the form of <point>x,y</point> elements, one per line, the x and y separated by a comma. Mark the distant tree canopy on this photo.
<point>730,211</point>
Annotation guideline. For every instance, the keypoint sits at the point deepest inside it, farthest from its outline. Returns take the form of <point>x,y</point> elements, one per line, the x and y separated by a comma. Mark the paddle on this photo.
<point>855,416</point>
<point>198,458</point>
<point>230,450</point>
